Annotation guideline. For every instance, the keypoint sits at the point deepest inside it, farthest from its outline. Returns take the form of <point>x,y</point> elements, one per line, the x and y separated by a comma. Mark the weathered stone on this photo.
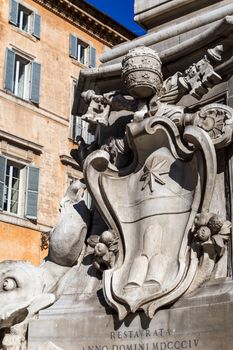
<point>26,289</point>
<point>48,346</point>
<point>202,321</point>
<point>162,241</point>
<point>156,274</point>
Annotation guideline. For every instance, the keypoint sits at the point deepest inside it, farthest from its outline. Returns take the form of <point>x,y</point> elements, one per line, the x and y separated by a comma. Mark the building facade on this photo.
<point>44,44</point>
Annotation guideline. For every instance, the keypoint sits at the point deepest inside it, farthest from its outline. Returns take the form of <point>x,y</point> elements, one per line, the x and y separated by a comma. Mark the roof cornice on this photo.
<point>89,19</point>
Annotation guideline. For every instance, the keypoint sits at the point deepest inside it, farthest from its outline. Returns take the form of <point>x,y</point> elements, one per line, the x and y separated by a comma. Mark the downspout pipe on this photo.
<point>169,32</point>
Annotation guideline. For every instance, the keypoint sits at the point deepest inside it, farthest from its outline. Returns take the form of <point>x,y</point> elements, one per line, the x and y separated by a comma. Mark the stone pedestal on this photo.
<point>202,321</point>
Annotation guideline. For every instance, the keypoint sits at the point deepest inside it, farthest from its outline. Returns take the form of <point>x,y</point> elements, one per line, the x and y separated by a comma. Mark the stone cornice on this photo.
<point>67,160</point>
<point>21,143</point>
<point>89,19</point>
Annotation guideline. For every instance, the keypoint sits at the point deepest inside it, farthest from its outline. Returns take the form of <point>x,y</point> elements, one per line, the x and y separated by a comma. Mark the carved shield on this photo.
<point>152,208</point>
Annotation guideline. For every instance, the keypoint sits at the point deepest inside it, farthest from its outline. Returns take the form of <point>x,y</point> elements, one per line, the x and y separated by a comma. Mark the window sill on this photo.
<point>14,219</point>
<point>67,160</point>
<point>21,98</point>
<point>77,63</point>
<point>25,34</point>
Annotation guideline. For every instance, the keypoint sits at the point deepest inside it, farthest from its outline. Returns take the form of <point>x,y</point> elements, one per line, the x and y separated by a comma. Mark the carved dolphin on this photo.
<point>22,292</point>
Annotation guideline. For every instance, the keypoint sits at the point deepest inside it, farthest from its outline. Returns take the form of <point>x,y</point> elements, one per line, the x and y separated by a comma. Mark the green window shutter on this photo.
<point>32,192</point>
<point>2,180</point>
<point>35,83</point>
<point>14,12</point>
<point>36,25</point>
<point>92,57</point>
<point>9,70</point>
<point>73,46</point>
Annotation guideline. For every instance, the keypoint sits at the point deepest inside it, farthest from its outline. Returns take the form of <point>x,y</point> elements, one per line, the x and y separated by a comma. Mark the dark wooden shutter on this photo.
<point>36,25</point>
<point>9,70</point>
<point>73,46</point>
<point>2,180</point>
<point>32,192</point>
<point>92,57</point>
<point>75,103</point>
<point>35,83</point>
<point>14,12</point>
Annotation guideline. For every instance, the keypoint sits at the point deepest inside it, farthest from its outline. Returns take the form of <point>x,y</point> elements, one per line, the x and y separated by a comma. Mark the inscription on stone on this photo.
<point>160,332</point>
<point>157,339</point>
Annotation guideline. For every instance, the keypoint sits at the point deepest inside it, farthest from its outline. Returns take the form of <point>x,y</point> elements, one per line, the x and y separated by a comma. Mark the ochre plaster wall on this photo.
<point>47,125</point>
<point>19,243</point>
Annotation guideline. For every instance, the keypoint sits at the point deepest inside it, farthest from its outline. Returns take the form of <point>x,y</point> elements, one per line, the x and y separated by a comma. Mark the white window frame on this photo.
<point>21,190</point>
<point>26,79</point>
<point>24,10</point>
<point>85,46</point>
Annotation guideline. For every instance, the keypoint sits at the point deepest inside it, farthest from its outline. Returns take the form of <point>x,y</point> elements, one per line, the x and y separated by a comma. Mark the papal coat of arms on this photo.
<point>152,181</point>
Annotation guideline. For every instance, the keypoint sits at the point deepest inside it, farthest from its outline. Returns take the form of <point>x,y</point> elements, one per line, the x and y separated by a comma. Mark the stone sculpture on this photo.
<point>105,250</point>
<point>150,200</point>
<point>26,289</point>
<point>67,237</point>
<point>151,172</point>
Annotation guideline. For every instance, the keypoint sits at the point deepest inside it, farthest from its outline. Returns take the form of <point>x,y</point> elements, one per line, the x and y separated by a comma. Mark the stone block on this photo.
<point>202,321</point>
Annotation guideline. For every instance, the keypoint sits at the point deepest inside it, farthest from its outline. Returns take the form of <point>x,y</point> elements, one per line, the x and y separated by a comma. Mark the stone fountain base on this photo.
<point>202,321</point>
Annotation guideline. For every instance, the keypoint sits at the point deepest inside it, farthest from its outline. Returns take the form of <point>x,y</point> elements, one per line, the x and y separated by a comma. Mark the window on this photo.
<point>12,188</point>
<point>21,80</point>
<point>78,126</point>
<point>18,188</point>
<point>22,76</point>
<point>82,52</point>
<point>25,19</point>
<point>81,128</point>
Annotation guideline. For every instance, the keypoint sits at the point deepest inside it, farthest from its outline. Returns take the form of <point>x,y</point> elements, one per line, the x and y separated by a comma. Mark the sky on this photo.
<point>120,10</point>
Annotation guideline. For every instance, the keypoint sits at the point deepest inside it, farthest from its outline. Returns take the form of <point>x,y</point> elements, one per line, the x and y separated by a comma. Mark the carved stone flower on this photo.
<point>213,122</point>
<point>217,120</point>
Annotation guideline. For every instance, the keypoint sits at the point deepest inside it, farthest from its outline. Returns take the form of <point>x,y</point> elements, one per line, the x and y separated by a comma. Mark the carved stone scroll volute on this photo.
<point>152,210</point>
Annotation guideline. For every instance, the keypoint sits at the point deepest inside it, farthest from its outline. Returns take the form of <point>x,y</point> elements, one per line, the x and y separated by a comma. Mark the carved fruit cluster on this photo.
<point>212,233</point>
<point>105,249</point>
